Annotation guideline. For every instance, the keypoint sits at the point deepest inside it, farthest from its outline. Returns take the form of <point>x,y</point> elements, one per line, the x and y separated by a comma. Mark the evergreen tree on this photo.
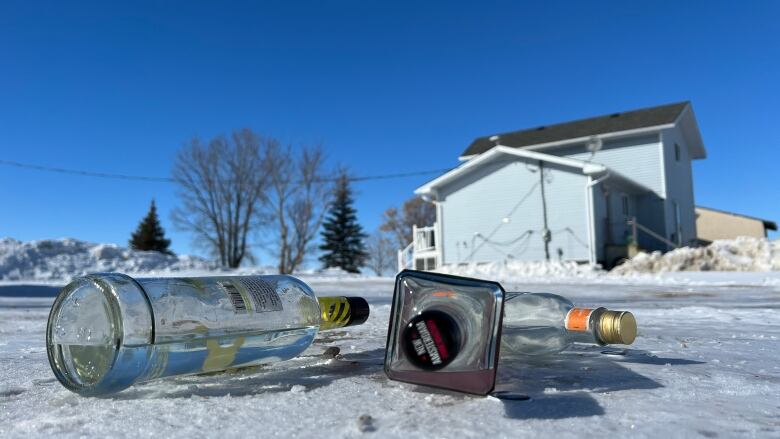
<point>150,235</point>
<point>342,235</point>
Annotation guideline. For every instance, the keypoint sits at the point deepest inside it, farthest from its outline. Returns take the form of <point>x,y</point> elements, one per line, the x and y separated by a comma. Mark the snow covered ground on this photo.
<point>705,364</point>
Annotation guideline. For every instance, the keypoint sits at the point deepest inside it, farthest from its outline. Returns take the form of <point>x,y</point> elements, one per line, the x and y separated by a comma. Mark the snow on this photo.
<point>57,261</point>
<point>741,254</point>
<point>537,270</point>
<point>61,259</point>
<point>730,257</point>
<point>705,364</point>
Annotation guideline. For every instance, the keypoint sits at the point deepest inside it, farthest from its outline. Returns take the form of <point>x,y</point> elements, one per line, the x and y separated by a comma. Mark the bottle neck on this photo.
<point>581,325</point>
<point>584,325</point>
<point>341,311</point>
<point>601,326</point>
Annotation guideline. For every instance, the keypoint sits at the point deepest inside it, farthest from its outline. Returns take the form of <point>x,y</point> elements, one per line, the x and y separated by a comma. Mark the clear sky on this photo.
<point>386,87</point>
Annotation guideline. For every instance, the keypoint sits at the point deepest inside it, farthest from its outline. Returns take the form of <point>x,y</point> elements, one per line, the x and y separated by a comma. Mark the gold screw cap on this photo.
<point>617,327</point>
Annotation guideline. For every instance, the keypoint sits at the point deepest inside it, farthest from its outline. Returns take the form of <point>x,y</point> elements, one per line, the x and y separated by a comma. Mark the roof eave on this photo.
<point>587,168</point>
<point>583,139</point>
<point>690,130</point>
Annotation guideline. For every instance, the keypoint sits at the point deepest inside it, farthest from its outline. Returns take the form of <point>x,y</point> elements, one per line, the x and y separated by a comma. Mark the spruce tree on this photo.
<point>342,236</point>
<point>150,235</point>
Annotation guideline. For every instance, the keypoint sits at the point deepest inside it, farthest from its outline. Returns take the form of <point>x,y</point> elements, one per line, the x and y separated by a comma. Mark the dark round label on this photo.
<point>431,340</point>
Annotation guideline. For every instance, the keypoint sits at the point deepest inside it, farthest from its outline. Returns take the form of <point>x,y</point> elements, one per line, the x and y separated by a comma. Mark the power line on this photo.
<point>400,175</point>
<point>84,173</point>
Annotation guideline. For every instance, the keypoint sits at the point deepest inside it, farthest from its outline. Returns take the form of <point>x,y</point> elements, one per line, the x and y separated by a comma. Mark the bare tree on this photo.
<point>297,199</point>
<point>221,188</point>
<point>380,253</point>
<point>415,211</point>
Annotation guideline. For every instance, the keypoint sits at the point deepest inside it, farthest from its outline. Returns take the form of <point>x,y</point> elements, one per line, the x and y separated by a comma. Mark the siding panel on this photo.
<point>638,158</point>
<point>679,181</point>
<point>474,208</point>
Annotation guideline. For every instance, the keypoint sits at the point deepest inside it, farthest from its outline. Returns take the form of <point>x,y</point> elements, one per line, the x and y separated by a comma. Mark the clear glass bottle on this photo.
<point>108,331</point>
<point>543,323</point>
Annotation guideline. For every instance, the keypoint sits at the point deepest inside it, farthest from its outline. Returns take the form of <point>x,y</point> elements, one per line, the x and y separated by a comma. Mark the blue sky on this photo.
<point>386,87</point>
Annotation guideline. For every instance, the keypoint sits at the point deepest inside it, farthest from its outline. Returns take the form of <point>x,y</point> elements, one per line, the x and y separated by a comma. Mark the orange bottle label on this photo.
<point>577,319</point>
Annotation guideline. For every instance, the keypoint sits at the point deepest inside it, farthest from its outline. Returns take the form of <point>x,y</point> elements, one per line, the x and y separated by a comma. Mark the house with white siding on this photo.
<point>589,191</point>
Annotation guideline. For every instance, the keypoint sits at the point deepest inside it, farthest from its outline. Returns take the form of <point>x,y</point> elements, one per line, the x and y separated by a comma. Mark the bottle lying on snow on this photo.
<point>445,331</point>
<point>108,331</point>
<point>543,323</point>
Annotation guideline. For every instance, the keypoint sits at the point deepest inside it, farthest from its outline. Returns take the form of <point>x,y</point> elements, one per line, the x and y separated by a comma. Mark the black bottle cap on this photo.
<point>358,311</point>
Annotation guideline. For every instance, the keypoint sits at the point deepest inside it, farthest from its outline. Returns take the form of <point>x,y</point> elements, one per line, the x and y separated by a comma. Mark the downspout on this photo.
<point>439,238</point>
<point>546,229</point>
<point>591,220</point>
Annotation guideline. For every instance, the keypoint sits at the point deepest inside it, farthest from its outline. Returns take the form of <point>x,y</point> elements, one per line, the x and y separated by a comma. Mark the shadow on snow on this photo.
<point>561,386</point>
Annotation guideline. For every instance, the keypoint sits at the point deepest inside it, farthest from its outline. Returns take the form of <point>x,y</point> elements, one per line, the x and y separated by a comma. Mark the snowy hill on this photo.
<point>62,259</point>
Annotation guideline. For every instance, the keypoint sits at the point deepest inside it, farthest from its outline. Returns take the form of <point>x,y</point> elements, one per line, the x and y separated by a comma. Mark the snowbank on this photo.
<point>741,254</point>
<point>511,270</point>
<point>61,259</point>
<point>64,258</point>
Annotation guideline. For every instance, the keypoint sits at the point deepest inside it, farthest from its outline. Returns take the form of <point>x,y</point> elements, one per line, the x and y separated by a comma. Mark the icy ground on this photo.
<point>705,364</point>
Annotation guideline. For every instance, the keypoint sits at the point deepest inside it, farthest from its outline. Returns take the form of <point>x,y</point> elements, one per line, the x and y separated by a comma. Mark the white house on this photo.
<point>576,191</point>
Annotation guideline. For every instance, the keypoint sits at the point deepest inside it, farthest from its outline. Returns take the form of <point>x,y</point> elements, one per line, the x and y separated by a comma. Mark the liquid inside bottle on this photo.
<point>543,323</point>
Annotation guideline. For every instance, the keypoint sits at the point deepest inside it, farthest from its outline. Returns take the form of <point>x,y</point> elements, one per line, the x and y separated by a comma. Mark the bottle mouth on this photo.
<point>432,340</point>
<point>90,324</point>
<point>83,334</point>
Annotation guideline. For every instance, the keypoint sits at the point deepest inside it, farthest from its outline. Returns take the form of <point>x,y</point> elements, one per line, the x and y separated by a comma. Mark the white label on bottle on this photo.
<point>264,298</point>
<point>239,306</point>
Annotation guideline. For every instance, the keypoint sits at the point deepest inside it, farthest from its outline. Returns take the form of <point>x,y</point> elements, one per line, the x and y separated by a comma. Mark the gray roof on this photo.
<point>628,120</point>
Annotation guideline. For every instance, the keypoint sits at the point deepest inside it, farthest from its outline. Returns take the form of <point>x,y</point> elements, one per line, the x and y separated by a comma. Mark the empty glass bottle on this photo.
<point>543,323</point>
<point>108,331</point>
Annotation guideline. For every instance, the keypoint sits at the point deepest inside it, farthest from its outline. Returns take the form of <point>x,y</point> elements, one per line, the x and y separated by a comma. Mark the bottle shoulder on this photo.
<point>537,300</point>
<point>536,309</point>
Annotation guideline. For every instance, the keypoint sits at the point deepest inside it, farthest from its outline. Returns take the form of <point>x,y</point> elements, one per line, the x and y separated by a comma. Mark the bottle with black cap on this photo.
<point>108,331</point>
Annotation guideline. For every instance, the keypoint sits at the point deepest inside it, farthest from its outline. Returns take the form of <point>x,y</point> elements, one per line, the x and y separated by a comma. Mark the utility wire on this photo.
<point>84,173</point>
<point>171,180</point>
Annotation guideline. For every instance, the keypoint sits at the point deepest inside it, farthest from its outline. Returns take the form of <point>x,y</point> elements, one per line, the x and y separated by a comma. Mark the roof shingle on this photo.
<point>629,120</point>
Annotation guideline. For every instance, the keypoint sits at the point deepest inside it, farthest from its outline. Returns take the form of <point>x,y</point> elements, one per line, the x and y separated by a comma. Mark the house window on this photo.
<point>624,203</point>
<point>676,152</point>
<point>425,264</point>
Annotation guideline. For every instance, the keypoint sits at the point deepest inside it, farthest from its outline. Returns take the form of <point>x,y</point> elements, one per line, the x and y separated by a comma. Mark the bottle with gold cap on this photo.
<point>108,331</point>
<point>543,323</point>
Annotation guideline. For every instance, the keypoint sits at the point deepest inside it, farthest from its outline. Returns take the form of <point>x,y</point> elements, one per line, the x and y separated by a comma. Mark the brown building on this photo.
<point>712,224</point>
